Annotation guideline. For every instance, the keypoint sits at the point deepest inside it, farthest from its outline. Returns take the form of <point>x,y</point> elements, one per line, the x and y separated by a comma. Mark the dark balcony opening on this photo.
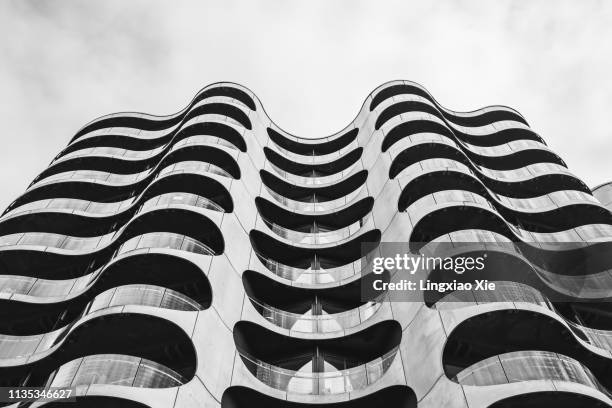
<point>503,331</point>
<point>118,141</point>
<point>326,257</point>
<point>314,194</point>
<point>257,344</point>
<point>264,291</point>
<point>455,218</point>
<point>220,108</point>
<point>205,154</point>
<point>137,335</point>
<point>118,165</point>
<point>481,119</point>
<point>557,399</point>
<point>412,127</point>
<point>396,396</point>
<point>82,190</point>
<point>592,314</point>
<point>500,137</point>
<point>98,402</point>
<point>272,214</point>
<point>160,123</point>
<point>228,91</point>
<point>425,151</point>
<point>403,107</point>
<point>52,265</point>
<point>308,147</point>
<point>219,130</point>
<point>313,170</point>
<point>198,184</point>
<point>393,90</point>
<point>209,192</point>
<point>166,271</point>
<point>179,221</point>
<point>135,122</point>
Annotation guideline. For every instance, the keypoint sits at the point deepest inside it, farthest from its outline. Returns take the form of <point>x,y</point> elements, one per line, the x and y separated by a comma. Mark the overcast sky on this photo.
<point>312,63</point>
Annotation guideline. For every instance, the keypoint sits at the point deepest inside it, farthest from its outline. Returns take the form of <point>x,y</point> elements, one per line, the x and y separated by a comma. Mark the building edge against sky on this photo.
<point>208,258</point>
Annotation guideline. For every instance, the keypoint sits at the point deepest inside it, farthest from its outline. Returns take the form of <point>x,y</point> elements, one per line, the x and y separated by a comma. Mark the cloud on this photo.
<point>311,63</point>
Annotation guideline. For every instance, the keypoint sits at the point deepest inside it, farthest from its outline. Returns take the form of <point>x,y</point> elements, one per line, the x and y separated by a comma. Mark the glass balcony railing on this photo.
<point>312,180</point>
<point>144,295</point>
<point>116,152</point>
<point>52,240</point>
<point>320,383</point>
<point>336,204</point>
<point>324,237</point>
<point>148,240</point>
<point>507,291</point>
<point>164,240</point>
<point>192,200</point>
<point>12,346</point>
<point>98,208</point>
<point>521,366</point>
<point>126,179</point>
<point>315,159</point>
<point>115,369</point>
<point>203,140</point>
<point>309,323</point>
<point>193,167</point>
<point>311,275</point>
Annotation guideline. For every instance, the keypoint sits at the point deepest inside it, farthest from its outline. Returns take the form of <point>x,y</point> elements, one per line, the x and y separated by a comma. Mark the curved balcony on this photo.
<point>115,369</point>
<point>164,240</point>
<point>315,367</point>
<point>307,147</point>
<point>395,396</point>
<point>310,323</point>
<point>323,237</point>
<point>311,181</point>
<point>528,365</point>
<point>507,291</point>
<point>320,383</point>
<point>145,123</point>
<point>462,118</point>
<point>189,199</point>
<point>311,310</point>
<point>142,295</point>
<point>297,226</point>
<point>344,190</point>
<point>319,206</point>
<point>310,275</point>
<point>13,346</point>
<point>204,140</point>
<point>313,264</point>
<point>85,200</point>
<point>110,151</point>
<point>288,168</point>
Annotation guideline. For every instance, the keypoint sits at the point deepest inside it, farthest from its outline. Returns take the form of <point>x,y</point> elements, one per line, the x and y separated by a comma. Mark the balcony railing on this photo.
<point>310,275</point>
<point>323,237</point>
<point>144,295</point>
<point>507,291</point>
<point>115,369</point>
<point>309,323</point>
<point>521,366</point>
<point>164,240</point>
<point>320,383</point>
<point>358,193</point>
